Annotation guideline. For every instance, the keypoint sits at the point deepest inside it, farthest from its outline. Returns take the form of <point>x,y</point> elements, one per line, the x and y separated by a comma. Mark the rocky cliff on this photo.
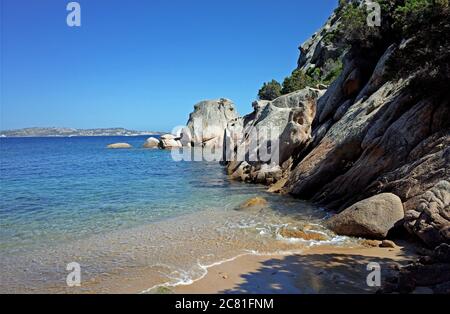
<point>382,126</point>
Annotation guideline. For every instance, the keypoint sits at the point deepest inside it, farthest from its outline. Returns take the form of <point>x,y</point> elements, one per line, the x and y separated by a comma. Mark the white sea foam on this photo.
<point>187,278</point>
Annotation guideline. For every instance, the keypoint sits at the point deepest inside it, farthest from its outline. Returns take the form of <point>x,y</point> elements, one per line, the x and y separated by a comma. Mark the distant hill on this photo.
<point>67,132</point>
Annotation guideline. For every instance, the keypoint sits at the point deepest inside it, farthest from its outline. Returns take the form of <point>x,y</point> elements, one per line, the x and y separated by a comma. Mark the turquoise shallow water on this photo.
<point>60,189</point>
<point>120,211</point>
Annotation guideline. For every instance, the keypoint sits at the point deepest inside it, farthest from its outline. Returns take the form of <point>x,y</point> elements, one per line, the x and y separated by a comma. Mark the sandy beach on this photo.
<point>323,269</point>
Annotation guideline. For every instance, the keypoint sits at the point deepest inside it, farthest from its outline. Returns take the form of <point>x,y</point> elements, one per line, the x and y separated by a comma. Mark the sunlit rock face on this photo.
<point>258,144</point>
<point>207,123</point>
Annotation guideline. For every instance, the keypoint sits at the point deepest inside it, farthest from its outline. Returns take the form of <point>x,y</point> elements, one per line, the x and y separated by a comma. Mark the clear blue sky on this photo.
<point>143,64</point>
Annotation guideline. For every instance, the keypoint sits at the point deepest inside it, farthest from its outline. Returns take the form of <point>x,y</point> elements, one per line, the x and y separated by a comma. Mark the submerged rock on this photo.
<point>372,218</point>
<point>119,146</point>
<point>254,203</point>
<point>300,234</point>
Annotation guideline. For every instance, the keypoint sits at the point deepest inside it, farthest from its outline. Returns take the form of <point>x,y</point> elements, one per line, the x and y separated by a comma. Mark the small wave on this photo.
<point>186,279</point>
<point>334,240</point>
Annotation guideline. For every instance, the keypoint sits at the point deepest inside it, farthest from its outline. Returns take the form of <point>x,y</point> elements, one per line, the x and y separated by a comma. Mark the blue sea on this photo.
<point>125,212</point>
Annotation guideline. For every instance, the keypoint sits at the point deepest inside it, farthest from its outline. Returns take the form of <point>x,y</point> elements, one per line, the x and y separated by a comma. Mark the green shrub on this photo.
<point>399,18</point>
<point>411,11</point>
<point>331,37</point>
<point>313,77</point>
<point>426,23</point>
<point>341,6</point>
<point>270,90</point>
<point>410,17</point>
<point>298,80</point>
<point>331,70</point>
<point>353,30</point>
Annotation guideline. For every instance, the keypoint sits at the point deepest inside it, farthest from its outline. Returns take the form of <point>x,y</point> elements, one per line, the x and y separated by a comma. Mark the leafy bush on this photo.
<point>331,71</point>
<point>341,6</point>
<point>410,17</point>
<point>270,90</point>
<point>298,80</point>
<point>426,24</point>
<point>327,73</point>
<point>331,37</point>
<point>411,11</point>
<point>400,18</point>
<point>354,30</point>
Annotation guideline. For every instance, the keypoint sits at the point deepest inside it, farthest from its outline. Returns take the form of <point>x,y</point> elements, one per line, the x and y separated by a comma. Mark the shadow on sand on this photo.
<point>315,273</point>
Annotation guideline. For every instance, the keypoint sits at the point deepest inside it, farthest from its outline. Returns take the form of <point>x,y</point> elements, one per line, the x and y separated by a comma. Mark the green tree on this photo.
<point>298,80</point>
<point>270,90</point>
<point>426,25</point>
<point>354,29</point>
<point>410,17</point>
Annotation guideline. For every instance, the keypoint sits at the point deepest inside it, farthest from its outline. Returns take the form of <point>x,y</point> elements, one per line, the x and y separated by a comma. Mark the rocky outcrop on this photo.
<point>119,146</point>
<point>275,128</point>
<point>358,140</point>
<point>169,141</point>
<point>207,123</point>
<point>151,142</point>
<point>371,218</point>
<point>430,221</point>
<point>373,134</point>
<point>383,140</point>
<point>317,50</point>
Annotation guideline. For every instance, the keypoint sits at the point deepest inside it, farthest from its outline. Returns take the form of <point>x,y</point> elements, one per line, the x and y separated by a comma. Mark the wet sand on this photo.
<point>314,270</point>
<point>317,270</point>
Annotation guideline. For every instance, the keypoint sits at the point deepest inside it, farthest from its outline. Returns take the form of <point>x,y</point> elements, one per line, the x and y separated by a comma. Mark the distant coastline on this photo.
<point>71,132</point>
